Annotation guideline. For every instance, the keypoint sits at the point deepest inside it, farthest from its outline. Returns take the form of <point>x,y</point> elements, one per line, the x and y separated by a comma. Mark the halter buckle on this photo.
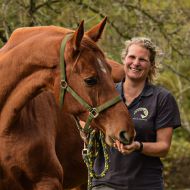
<point>63,84</point>
<point>94,113</point>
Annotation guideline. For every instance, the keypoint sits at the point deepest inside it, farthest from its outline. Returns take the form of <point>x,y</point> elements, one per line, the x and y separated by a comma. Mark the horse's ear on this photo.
<point>78,35</point>
<point>95,32</point>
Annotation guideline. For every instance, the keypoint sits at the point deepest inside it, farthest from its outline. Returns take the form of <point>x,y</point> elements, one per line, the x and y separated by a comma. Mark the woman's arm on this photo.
<point>162,145</point>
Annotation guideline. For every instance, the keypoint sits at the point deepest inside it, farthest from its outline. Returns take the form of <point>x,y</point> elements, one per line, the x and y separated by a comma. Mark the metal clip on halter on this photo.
<point>63,84</point>
<point>94,113</point>
<point>84,151</point>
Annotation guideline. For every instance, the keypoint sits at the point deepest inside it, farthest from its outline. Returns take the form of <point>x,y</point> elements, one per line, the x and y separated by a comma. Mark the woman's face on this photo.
<point>137,63</point>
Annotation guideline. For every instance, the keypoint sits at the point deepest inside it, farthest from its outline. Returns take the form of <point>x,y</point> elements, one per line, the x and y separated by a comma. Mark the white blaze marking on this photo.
<point>101,66</point>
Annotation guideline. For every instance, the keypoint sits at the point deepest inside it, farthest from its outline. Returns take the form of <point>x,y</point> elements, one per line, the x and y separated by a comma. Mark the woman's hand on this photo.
<point>127,149</point>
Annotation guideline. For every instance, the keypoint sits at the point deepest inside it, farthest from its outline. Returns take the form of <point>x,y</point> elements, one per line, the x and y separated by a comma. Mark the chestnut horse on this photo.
<point>36,145</point>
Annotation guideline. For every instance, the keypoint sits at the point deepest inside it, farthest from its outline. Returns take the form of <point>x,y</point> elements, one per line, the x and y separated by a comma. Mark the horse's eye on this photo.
<point>90,81</point>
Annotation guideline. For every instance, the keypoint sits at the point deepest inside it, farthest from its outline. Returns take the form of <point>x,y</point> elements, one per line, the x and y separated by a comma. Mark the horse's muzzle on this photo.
<point>124,138</point>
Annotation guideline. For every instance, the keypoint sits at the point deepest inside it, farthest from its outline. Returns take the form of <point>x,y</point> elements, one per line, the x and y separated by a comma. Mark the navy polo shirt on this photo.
<point>154,108</point>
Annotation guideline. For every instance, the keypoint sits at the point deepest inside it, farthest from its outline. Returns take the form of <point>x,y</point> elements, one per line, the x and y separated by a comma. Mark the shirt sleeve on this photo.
<point>167,112</point>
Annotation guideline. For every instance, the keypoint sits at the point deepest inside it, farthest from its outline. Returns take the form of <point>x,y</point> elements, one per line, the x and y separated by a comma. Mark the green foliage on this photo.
<point>166,22</point>
<point>176,164</point>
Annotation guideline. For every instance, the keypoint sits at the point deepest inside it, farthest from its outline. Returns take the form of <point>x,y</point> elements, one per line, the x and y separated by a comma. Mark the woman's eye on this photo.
<point>90,81</point>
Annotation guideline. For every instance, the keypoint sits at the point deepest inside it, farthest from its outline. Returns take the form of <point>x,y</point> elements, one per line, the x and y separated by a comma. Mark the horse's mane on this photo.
<point>21,34</point>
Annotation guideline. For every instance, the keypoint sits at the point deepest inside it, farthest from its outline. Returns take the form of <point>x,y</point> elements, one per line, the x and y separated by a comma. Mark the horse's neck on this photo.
<point>30,69</point>
<point>15,95</point>
<point>39,113</point>
<point>27,76</point>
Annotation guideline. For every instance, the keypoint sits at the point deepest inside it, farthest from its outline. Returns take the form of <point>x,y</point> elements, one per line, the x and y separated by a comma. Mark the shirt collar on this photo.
<point>147,91</point>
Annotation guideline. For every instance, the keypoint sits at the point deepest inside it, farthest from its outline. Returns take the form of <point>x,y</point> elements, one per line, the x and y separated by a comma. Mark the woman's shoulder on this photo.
<point>160,90</point>
<point>162,93</point>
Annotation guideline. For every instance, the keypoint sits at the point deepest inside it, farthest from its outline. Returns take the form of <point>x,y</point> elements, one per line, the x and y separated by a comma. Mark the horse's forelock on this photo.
<point>89,44</point>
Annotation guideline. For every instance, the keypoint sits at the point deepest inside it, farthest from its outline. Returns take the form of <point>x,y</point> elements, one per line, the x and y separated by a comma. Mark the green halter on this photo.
<point>93,111</point>
<point>95,139</point>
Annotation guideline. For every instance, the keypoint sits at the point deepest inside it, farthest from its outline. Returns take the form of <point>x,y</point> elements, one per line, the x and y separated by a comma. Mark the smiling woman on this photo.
<point>137,63</point>
<point>155,114</point>
<point>146,51</point>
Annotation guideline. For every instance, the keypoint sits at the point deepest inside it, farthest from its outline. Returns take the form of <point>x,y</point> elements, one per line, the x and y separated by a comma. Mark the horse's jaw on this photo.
<point>112,133</point>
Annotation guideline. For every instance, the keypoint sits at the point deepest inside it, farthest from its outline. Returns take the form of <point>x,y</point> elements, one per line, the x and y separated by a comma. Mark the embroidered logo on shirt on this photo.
<point>141,113</point>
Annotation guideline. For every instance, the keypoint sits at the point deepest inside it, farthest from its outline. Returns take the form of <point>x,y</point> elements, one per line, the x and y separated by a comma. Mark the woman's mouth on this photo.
<point>135,69</point>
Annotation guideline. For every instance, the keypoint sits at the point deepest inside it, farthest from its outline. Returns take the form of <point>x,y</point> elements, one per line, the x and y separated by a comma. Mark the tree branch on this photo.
<point>154,20</point>
<point>176,72</point>
<point>87,6</point>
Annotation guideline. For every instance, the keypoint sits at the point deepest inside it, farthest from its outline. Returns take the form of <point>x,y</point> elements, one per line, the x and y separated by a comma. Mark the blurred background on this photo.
<point>166,22</point>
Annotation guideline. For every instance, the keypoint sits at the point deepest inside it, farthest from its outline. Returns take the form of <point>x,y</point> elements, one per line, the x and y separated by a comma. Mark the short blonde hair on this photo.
<point>149,45</point>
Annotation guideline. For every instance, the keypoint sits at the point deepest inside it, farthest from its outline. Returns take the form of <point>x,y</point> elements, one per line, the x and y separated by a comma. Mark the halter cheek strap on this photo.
<point>63,70</point>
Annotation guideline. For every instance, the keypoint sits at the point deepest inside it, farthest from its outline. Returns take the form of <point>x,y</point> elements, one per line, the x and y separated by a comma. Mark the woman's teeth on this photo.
<point>135,69</point>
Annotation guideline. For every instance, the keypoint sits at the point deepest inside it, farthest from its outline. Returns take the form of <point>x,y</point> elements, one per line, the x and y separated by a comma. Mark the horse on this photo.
<point>45,66</point>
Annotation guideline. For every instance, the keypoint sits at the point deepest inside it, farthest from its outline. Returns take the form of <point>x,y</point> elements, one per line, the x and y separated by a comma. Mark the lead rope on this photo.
<point>95,140</point>
<point>90,153</point>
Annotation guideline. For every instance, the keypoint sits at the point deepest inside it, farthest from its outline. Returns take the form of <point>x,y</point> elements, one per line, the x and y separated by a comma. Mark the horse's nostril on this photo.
<point>124,138</point>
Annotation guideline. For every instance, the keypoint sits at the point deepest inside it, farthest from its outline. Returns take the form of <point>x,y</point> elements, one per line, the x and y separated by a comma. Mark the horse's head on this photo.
<point>32,58</point>
<point>88,77</point>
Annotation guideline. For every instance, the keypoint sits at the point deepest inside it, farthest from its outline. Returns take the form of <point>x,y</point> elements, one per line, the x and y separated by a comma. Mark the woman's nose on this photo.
<point>136,61</point>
